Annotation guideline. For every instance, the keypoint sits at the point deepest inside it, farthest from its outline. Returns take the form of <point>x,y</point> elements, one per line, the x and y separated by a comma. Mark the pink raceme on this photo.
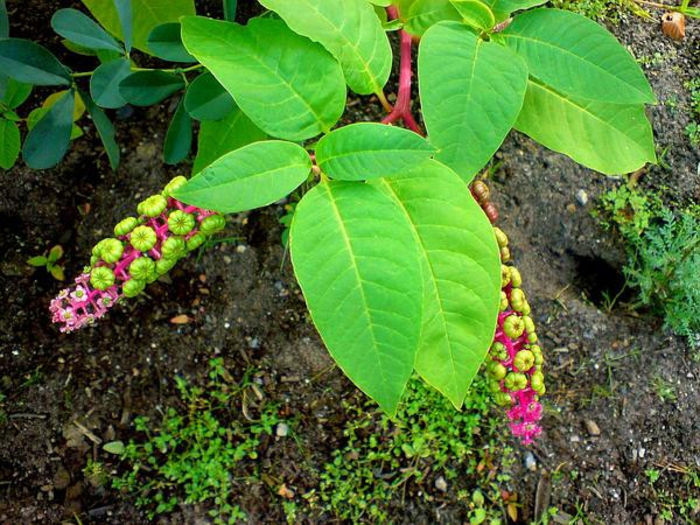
<point>143,249</point>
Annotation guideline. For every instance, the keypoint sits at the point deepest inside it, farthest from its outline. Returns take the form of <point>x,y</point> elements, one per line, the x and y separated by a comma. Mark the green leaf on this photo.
<point>37,261</point>
<point>577,57</point>
<point>146,14</point>
<point>82,30</point>
<point>165,42</point>
<point>610,138</point>
<point>206,99</point>
<point>260,64</point>
<point>470,106</point>
<point>178,139</point>
<point>9,143</point>
<point>230,9</point>
<point>350,30</point>
<point>370,150</point>
<point>218,137</point>
<point>502,9</point>
<point>145,88</point>
<point>12,92</point>
<point>126,22</point>
<point>422,14</point>
<point>104,84</point>
<point>105,129</point>
<point>31,63</point>
<point>461,275</point>
<point>48,141</point>
<point>114,447</point>
<point>56,272</point>
<point>357,263</point>
<point>4,21</point>
<point>253,176</point>
<point>475,13</point>
<point>55,253</point>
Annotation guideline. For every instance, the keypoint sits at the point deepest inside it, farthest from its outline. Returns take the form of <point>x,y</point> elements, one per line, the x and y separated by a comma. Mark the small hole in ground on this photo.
<point>600,281</point>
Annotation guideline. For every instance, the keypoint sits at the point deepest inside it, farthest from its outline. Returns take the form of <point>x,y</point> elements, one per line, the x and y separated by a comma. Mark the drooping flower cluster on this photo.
<point>515,359</point>
<point>142,250</point>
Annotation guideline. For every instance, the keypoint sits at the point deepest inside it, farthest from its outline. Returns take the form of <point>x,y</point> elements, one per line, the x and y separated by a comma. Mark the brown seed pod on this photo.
<point>481,192</point>
<point>673,25</point>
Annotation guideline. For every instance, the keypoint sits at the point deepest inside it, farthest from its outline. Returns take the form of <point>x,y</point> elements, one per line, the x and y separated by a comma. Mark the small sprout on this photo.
<point>50,262</point>
<point>143,238</point>
<point>181,223</point>
<point>125,226</point>
<point>152,206</point>
<point>102,278</point>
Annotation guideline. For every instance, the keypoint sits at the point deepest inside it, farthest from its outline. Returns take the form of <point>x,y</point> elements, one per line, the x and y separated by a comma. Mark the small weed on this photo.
<point>653,475</point>
<point>192,455</point>
<point>664,389</point>
<point>95,473</point>
<point>50,262</point>
<point>692,130</point>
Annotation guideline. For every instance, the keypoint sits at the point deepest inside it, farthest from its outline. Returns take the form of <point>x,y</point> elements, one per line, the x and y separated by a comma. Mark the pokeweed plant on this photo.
<point>399,264</point>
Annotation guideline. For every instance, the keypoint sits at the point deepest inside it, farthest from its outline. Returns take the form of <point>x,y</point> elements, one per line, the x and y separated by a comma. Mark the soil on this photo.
<point>246,308</point>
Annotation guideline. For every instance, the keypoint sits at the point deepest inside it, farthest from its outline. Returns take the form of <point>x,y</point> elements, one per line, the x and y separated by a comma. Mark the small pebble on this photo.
<point>441,484</point>
<point>592,427</point>
<point>582,197</point>
<point>530,461</point>
<point>282,430</point>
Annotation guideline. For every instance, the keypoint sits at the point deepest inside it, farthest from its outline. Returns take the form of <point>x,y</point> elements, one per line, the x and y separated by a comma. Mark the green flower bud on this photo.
<point>101,278</point>
<point>173,185</point>
<point>513,326</point>
<point>195,241</point>
<point>503,306</point>
<point>181,223</point>
<point>537,382</point>
<point>505,275</point>
<point>163,266</point>
<point>515,277</point>
<point>152,206</point>
<point>496,370</point>
<point>503,399</point>
<point>212,224</point>
<point>143,238</point>
<point>141,268</point>
<point>529,324</point>
<point>133,287</point>
<point>517,299</point>
<point>501,237</point>
<point>524,360</point>
<point>173,248</point>
<point>498,351</point>
<point>111,250</point>
<point>515,381</point>
<point>125,226</point>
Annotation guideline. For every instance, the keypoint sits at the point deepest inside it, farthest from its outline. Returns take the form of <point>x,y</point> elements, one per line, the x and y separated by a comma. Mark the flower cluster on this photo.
<point>142,250</point>
<point>515,359</point>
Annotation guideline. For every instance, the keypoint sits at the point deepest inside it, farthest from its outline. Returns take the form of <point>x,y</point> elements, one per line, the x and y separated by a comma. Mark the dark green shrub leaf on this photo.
<point>577,57</point>
<point>105,81</point>
<point>350,30</point>
<point>4,21</point>
<point>105,129</point>
<point>12,92</point>
<point>259,64</point>
<point>48,141</point>
<point>230,9</point>
<point>461,275</point>
<point>145,88</point>
<point>470,106</point>
<point>126,22</point>
<point>165,42</point>
<point>82,30</point>
<point>9,143</point>
<point>370,150</point>
<point>206,99</point>
<point>357,262</point>
<point>610,138</point>
<point>218,137</point>
<point>178,139</point>
<point>253,176</point>
<point>31,63</point>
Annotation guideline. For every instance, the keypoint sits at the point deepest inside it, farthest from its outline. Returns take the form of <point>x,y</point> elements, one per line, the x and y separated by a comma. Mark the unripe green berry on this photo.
<point>181,223</point>
<point>152,206</point>
<point>501,237</point>
<point>537,352</point>
<point>503,306</point>
<point>163,266</point>
<point>173,248</point>
<point>515,381</point>
<point>515,278</point>
<point>532,337</point>
<point>524,360</point>
<point>537,382</point>
<point>495,386</point>
<point>195,241</point>
<point>513,326</point>
<point>173,185</point>
<point>141,268</point>
<point>505,254</point>
<point>529,324</point>
<point>212,224</point>
<point>517,299</point>
<point>97,249</point>
<point>93,260</point>
<point>111,250</point>
<point>496,370</point>
<point>133,287</point>
<point>101,278</point>
<point>503,399</point>
<point>498,351</point>
<point>125,226</point>
<point>526,307</point>
<point>505,275</point>
<point>143,238</point>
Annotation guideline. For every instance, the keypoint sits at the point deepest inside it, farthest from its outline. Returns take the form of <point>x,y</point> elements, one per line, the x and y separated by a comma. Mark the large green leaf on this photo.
<point>218,137</point>
<point>146,14</point>
<point>145,88</point>
<point>461,275</point>
<point>577,57</point>
<point>165,42</point>
<point>502,9</point>
<point>470,106</point>
<point>420,15</point>
<point>370,150</point>
<point>256,175</point>
<point>350,30</point>
<point>82,30</point>
<point>31,63</point>
<point>104,83</point>
<point>475,13</point>
<point>9,143</point>
<point>105,129</point>
<point>290,87</point>
<point>48,140</point>
<point>610,138</point>
<point>206,99</point>
<point>125,17</point>
<point>357,262</point>
<point>178,138</point>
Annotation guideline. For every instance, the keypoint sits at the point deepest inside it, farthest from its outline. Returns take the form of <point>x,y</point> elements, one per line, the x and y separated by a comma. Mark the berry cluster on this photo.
<point>515,365</point>
<point>142,250</point>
